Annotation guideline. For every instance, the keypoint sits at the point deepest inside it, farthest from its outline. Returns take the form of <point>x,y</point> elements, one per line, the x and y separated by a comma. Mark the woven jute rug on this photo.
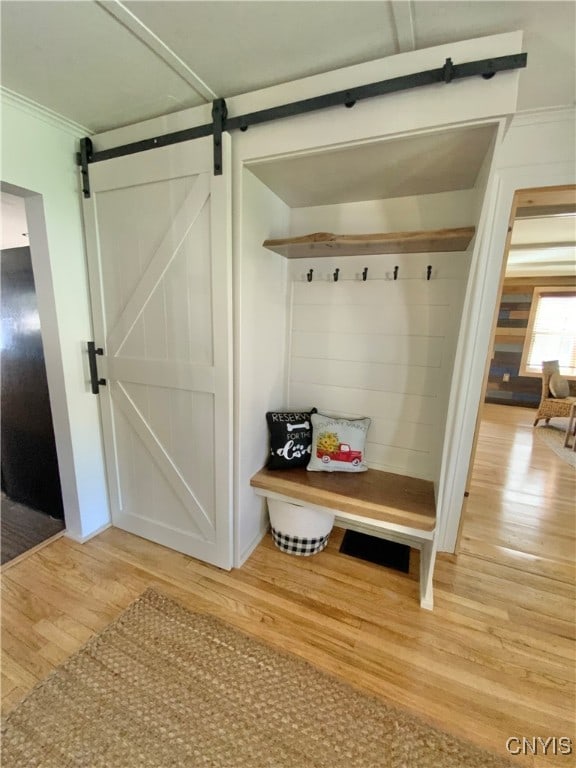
<point>164,687</point>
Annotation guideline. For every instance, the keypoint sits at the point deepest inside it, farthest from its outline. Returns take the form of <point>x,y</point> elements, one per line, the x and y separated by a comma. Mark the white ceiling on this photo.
<point>420,165</point>
<point>107,63</point>
<point>543,245</point>
<point>545,230</point>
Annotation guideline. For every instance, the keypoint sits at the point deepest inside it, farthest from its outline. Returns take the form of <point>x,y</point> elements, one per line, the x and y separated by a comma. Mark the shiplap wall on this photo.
<point>382,348</point>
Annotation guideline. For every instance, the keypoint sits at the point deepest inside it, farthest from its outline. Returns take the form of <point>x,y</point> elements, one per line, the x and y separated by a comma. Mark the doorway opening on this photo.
<point>539,253</point>
<point>32,507</point>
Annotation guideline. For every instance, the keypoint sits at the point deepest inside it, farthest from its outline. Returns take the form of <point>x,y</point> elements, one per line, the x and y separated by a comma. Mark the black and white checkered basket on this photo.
<point>296,545</point>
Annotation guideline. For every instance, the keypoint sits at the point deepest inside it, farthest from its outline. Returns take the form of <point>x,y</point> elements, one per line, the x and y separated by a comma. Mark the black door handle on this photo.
<point>94,380</point>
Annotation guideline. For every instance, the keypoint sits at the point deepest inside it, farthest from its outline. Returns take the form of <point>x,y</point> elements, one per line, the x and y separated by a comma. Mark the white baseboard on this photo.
<point>84,539</point>
<point>245,554</point>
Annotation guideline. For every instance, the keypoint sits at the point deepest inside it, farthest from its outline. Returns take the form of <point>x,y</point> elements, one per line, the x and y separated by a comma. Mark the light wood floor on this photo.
<point>494,659</point>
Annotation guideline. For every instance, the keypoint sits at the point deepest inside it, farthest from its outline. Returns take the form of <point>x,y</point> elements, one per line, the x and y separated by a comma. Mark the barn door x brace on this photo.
<point>485,68</point>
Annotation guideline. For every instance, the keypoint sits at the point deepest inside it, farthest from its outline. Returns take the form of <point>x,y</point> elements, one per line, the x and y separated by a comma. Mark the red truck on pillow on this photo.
<point>343,453</point>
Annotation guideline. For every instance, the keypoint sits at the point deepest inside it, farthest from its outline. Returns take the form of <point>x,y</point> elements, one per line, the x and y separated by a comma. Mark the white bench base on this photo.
<point>417,538</point>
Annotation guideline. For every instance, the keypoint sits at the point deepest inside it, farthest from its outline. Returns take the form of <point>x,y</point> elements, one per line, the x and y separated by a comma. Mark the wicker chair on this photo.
<point>552,407</point>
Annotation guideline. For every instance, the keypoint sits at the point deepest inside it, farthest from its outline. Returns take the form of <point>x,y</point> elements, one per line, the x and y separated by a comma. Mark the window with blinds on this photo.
<point>551,333</point>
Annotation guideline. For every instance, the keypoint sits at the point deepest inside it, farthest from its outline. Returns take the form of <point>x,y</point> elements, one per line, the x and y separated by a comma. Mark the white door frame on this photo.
<point>41,268</point>
<point>474,341</point>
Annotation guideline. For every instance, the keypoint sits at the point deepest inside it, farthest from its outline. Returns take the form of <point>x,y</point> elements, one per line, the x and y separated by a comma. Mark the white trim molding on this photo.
<point>84,539</point>
<point>43,113</point>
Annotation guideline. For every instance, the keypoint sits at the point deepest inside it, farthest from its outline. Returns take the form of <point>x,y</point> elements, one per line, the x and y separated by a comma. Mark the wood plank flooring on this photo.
<point>494,659</point>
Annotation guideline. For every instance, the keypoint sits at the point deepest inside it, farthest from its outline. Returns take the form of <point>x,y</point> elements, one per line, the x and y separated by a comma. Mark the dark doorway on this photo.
<point>30,474</point>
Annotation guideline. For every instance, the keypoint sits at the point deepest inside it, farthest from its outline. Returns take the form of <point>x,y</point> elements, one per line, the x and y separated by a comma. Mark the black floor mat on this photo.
<point>374,550</point>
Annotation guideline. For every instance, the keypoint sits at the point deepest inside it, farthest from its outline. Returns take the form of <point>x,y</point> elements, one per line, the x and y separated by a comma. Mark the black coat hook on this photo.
<point>395,273</point>
<point>309,275</point>
<point>428,272</point>
<point>364,273</point>
<point>336,273</point>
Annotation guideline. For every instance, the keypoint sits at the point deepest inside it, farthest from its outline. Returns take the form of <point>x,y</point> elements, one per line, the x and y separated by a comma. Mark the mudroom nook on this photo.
<point>352,255</point>
<point>372,318</point>
<point>371,340</point>
<point>355,309</point>
<point>340,234</point>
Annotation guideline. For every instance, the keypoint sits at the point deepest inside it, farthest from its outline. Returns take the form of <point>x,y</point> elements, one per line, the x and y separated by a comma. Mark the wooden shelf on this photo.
<point>328,244</point>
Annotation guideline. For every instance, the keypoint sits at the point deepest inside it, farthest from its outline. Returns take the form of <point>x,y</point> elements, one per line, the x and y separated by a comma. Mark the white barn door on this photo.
<point>159,252</point>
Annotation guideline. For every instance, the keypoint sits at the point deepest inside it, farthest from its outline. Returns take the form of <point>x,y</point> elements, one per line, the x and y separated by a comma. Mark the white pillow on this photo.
<point>338,444</point>
<point>559,386</point>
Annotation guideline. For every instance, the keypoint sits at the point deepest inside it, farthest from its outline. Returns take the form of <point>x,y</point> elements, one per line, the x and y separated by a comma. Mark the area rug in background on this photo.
<point>163,687</point>
<point>553,435</point>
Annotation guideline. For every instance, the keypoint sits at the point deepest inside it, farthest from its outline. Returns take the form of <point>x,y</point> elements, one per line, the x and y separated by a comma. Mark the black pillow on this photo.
<point>290,438</point>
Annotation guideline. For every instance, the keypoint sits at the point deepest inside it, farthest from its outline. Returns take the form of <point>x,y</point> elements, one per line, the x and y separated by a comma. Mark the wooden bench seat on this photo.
<point>382,504</point>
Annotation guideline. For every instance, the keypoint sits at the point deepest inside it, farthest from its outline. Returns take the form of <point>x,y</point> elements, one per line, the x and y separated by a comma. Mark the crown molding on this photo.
<point>544,115</point>
<point>40,112</point>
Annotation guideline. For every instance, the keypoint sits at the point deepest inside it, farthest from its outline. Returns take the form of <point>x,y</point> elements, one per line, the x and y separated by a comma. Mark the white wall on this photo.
<point>38,161</point>
<point>260,345</point>
<point>399,214</point>
<point>13,222</point>
<point>381,348</point>
<point>537,151</point>
<point>484,175</point>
